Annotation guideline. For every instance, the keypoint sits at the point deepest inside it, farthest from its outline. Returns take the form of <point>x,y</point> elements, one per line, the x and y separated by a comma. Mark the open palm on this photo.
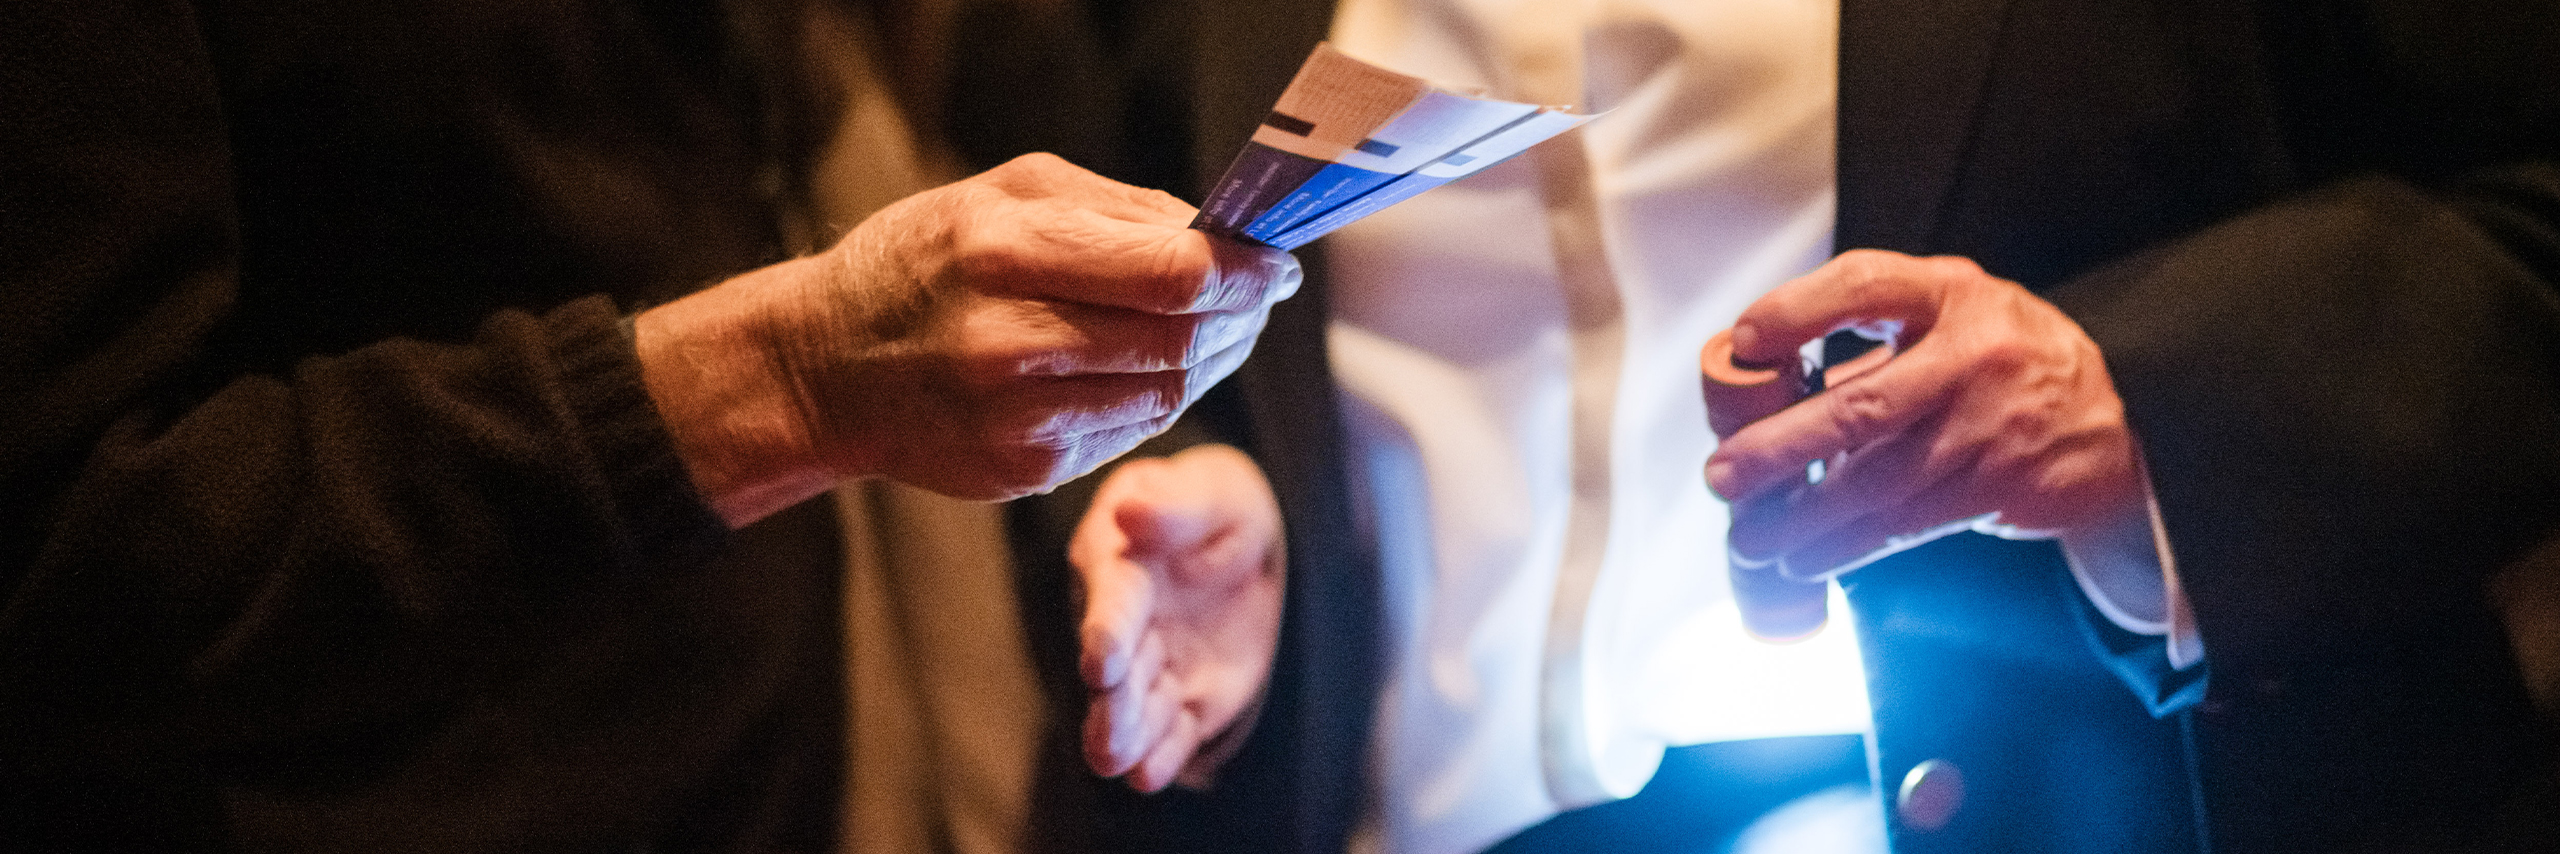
<point>1182,568</point>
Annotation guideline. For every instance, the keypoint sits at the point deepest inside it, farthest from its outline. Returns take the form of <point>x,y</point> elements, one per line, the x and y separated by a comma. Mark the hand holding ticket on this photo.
<point>1348,139</point>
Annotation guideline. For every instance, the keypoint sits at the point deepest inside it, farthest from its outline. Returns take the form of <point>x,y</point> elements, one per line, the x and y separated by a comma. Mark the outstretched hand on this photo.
<point>986,340</point>
<point>1996,414</point>
<point>1182,567</point>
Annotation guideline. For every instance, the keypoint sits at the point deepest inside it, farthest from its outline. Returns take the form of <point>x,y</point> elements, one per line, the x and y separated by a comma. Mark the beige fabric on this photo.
<point>943,717</point>
<point>876,155</point>
<point>2527,594</point>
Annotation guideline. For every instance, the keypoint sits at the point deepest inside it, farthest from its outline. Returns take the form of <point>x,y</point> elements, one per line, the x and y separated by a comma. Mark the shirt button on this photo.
<point>1930,795</point>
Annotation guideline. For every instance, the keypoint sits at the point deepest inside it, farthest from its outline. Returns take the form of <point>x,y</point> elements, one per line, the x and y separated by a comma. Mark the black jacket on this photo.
<point>333,515</point>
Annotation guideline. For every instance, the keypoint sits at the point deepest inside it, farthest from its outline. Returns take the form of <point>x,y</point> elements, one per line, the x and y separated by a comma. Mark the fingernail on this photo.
<point>1745,339</point>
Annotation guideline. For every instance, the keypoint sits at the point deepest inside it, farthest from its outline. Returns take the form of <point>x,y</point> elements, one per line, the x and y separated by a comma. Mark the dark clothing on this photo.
<point>2318,242</point>
<point>333,514</point>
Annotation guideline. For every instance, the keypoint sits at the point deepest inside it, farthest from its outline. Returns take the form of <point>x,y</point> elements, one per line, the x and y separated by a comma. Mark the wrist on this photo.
<point>735,414</point>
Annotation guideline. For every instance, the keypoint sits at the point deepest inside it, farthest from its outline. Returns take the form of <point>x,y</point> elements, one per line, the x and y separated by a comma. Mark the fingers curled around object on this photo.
<point>1160,270</point>
<point>1757,536</point>
<point>1217,331</point>
<point>1010,338</point>
<point>1217,366</point>
<point>1771,451</point>
<point>1085,452</point>
<point>1051,411</point>
<point>1082,238</point>
<point>1854,546</point>
<point>1860,286</point>
<point>1074,254</point>
<point>1248,276</point>
<point>1027,466</point>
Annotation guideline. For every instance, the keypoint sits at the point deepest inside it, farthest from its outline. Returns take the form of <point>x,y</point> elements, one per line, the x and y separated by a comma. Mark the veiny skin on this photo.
<point>1996,413</point>
<point>986,340</point>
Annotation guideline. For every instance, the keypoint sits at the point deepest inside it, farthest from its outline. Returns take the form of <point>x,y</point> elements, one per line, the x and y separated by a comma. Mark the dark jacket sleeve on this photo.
<point>202,558</point>
<point>2315,240</point>
<point>2350,401</point>
<point>2351,405</point>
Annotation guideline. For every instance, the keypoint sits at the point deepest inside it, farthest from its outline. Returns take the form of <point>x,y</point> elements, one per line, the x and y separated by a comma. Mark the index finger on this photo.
<point>1860,286</point>
<point>1884,401</point>
<point>1078,254</point>
<point>1041,175</point>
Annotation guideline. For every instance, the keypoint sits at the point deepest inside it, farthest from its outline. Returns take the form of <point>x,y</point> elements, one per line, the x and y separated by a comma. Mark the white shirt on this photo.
<point>1466,359</point>
<point>1516,354</point>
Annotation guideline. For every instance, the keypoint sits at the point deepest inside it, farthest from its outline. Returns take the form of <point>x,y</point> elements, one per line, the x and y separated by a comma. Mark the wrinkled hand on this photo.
<point>985,340</point>
<point>1182,568</point>
<point>1995,414</point>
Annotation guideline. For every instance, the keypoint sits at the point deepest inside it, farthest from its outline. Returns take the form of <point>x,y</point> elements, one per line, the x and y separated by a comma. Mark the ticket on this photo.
<point>1347,139</point>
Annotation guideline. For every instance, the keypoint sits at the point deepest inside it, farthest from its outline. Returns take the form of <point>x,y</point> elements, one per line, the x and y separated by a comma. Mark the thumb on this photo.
<point>1165,526</point>
<point>1119,600</point>
<point>1118,593</point>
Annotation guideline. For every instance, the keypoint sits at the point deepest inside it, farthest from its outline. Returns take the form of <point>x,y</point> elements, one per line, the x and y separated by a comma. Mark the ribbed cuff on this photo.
<point>668,520</point>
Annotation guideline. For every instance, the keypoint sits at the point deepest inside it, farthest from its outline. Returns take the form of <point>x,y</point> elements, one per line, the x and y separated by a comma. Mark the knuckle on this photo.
<point>1036,466</point>
<point>2058,482</point>
<point>1865,258</point>
<point>2025,429</point>
<point>1152,267</point>
<point>1160,198</point>
<point>1040,160</point>
<point>1956,266</point>
<point>1087,451</point>
<point>987,192</point>
<point>1028,172</point>
<point>1859,412</point>
<point>2005,355</point>
<point>1862,271</point>
<point>1763,542</point>
<point>1171,393</point>
<point>1192,339</point>
<point>1216,337</point>
<point>1179,271</point>
<point>1158,424</point>
<point>981,261</point>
